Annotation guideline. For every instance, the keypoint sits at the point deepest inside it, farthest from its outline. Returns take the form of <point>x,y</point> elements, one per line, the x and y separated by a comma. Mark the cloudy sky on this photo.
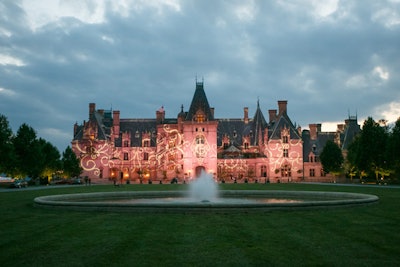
<point>327,58</point>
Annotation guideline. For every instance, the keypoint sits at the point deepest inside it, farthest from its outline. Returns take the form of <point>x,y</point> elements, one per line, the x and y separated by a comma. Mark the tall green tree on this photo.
<point>332,158</point>
<point>368,151</point>
<point>7,153</point>
<point>28,152</point>
<point>393,148</point>
<point>70,162</point>
<point>373,142</point>
<point>51,162</point>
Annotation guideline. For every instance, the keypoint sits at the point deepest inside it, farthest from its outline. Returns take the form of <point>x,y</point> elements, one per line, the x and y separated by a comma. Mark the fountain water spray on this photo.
<point>203,189</point>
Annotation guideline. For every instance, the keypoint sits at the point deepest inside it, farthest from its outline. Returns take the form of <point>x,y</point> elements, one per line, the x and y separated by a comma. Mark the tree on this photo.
<point>393,148</point>
<point>51,158</point>
<point>368,152</point>
<point>7,153</point>
<point>372,147</point>
<point>331,158</point>
<point>70,162</point>
<point>28,153</point>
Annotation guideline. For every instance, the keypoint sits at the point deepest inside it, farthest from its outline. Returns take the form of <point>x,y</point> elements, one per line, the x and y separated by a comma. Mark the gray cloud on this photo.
<point>324,59</point>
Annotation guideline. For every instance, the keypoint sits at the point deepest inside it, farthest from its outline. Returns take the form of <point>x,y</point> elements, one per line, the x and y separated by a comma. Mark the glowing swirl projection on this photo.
<point>159,149</point>
<point>93,154</point>
<point>277,158</point>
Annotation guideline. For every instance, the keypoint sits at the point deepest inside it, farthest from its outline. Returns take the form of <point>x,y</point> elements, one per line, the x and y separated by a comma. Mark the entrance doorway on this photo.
<point>199,170</point>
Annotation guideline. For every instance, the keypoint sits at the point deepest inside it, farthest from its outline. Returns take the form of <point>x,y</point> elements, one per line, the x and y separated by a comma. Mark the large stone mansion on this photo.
<point>247,149</point>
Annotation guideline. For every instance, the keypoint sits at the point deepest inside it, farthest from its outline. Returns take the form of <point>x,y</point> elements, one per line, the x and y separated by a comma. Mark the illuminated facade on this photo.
<point>160,149</point>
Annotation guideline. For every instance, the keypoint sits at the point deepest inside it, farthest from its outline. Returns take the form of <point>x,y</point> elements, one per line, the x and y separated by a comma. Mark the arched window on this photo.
<point>200,140</point>
<point>263,171</point>
<point>200,116</point>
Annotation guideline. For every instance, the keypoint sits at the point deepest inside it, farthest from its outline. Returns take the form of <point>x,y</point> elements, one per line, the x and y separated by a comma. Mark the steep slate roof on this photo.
<point>258,125</point>
<point>235,129</point>
<point>137,127</point>
<point>351,130</point>
<point>199,101</point>
<point>315,146</point>
<point>283,121</point>
<point>103,121</point>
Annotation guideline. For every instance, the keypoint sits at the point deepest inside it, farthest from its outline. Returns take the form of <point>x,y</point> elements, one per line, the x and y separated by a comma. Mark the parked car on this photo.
<point>63,181</point>
<point>19,183</point>
<point>77,181</point>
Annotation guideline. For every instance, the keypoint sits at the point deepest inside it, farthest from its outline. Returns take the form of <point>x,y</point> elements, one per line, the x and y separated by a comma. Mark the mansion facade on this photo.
<point>247,149</point>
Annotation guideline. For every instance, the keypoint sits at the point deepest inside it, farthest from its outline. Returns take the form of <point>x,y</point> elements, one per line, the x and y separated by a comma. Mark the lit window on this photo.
<point>286,171</point>
<point>200,118</point>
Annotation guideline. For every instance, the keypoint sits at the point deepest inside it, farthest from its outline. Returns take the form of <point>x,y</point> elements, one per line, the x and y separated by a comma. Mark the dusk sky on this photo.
<point>327,58</point>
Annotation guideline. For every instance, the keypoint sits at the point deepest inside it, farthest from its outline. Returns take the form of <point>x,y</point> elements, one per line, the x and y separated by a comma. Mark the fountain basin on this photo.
<point>178,202</point>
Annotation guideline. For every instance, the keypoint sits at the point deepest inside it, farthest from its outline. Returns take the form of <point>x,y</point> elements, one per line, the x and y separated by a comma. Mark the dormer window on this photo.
<point>285,139</point>
<point>137,135</point>
<point>234,134</point>
<point>200,116</point>
<point>225,141</point>
<point>146,143</point>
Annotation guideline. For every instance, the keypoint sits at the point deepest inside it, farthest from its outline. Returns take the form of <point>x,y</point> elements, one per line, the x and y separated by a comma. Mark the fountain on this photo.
<point>203,196</point>
<point>203,189</point>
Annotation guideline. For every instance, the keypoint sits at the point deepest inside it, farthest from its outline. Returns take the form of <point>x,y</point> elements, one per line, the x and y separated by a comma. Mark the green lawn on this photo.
<point>355,236</point>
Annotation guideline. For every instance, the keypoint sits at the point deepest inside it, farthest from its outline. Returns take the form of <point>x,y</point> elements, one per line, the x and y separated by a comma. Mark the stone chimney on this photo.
<point>246,115</point>
<point>282,105</point>
<point>212,112</point>
<point>314,130</point>
<point>92,109</point>
<point>160,115</point>
<point>272,115</point>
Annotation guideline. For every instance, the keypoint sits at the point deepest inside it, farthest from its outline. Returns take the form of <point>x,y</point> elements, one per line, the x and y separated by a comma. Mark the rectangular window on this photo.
<point>312,173</point>
<point>146,143</point>
<point>285,139</point>
<point>126,156</point>
<point>285,153</point>
<point>145,156</point>
<point>126,143</point>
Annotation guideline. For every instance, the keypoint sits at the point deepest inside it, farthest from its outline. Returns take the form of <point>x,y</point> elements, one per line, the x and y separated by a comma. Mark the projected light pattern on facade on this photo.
<point>160,149</point>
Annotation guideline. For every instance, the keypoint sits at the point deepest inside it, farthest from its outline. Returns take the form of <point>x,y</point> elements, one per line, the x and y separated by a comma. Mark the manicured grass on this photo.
<point>356,236</point>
